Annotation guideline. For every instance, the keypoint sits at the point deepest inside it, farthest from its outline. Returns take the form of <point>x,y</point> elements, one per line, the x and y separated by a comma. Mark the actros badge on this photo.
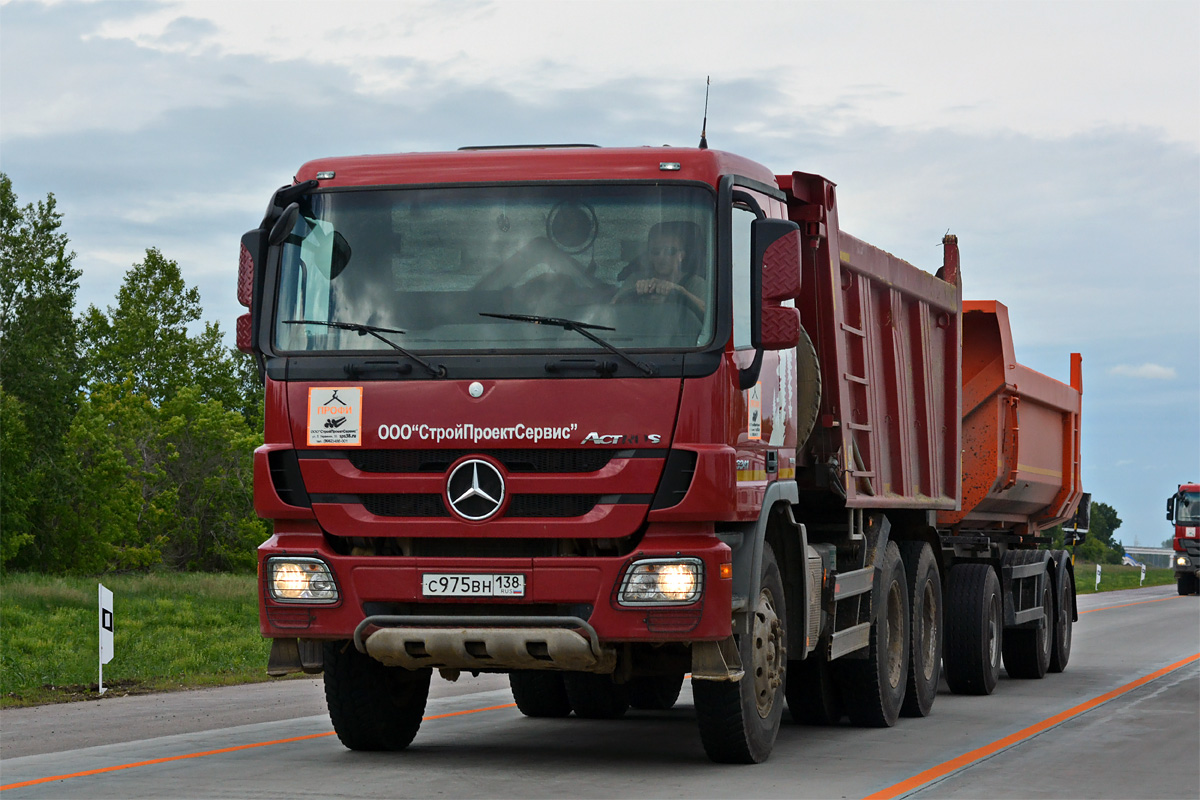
<point>475,490</point>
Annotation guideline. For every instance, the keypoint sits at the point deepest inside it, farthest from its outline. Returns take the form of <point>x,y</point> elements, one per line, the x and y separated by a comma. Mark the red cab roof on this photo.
<point>534,164</point>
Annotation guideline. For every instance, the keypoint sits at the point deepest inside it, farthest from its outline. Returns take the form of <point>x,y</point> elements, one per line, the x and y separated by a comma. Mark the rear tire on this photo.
<point>539,694</point>
<point>925,602</point>
<point>812,692</point>
<point>974,629</point>
<point>873,689</point>
<point>1027,650</point>
<point>655,692</point>
<point>1064,619</point>
<point>372,706</point>
<point>740,720</point>
<point>595,696</point>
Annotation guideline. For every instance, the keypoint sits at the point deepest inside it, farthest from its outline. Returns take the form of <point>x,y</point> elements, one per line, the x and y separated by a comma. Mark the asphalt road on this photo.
<point>1104,728</point>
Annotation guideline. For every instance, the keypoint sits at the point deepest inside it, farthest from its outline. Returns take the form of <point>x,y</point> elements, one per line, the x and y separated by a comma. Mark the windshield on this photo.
<point>1187,508</point>
<point>637,259</point>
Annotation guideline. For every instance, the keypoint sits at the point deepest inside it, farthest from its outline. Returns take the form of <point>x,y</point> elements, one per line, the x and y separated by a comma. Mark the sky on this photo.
<point>1060,140</point>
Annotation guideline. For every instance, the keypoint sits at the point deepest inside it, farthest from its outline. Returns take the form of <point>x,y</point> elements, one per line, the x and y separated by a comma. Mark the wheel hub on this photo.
<point>769,654</point>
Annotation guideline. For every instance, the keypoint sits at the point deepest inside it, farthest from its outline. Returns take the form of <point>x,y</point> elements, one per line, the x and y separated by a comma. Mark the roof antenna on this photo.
<point>704,125</point>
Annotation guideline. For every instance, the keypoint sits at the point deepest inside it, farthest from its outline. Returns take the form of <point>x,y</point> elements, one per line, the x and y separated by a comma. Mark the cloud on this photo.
<point>1147,371</point>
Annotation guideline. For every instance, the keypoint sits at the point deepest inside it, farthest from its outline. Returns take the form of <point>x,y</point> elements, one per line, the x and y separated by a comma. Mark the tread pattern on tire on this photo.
<point>372,706</point>
<point>1064,607</point>
<point>870,704</point>
<point>920,694</point>
<point>966,658</point>
<point>1024,656</point>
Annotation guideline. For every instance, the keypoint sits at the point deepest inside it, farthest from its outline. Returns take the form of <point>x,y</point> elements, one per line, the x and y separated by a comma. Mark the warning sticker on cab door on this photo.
<point>754,412</point>
<point>334,416</point>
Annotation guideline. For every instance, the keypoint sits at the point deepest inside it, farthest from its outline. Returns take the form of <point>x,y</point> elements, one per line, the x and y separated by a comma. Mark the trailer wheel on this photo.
<point>739,720</point>
<point>1027,650</point>
<point>1187,584</point>
<point>372,706</point>
<point>1064,612</point>
<point>595,696</point>
<point>539,694</point>
<point>812,692</point>
<point>655,692</point>
<point>974,629</point>
<point>874,688</point>
<point>925,602</point>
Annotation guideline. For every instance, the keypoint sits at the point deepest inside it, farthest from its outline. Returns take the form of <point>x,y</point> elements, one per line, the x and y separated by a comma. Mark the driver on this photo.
<point>667,272</point>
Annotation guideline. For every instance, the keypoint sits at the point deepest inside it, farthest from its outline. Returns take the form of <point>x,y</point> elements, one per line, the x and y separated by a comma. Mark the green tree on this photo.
<point>39,368</point>
<point>206,452</point>
<point>146,338</point>
<point>108,515</point>
<point>19,490</point>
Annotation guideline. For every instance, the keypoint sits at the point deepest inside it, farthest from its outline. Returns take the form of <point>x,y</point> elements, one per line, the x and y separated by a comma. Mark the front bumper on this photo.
<point>568,618</point>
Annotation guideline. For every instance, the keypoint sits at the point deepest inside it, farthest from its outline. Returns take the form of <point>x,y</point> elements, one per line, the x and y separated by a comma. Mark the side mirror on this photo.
<point>250,261</point>
<point>1171,508</point>
<point>777,258</point>
<point>283,226</point>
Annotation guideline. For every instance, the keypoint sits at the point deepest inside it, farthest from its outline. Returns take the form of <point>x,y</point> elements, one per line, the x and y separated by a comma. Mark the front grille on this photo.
<point>521,505</point>
<point>555,461</point>
<point>405,505</point>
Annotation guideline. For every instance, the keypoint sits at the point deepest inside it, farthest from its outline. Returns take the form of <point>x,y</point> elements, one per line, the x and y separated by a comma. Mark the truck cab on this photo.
<point>1183,511</point>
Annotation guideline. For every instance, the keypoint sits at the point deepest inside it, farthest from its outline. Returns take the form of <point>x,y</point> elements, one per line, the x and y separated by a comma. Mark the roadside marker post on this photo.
<point>1143,580</point>
<point>106,632</point>
<point>1097,577</point>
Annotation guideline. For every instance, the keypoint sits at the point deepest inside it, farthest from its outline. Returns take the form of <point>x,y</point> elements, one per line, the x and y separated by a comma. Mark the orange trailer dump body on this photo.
<point>1020,431</point>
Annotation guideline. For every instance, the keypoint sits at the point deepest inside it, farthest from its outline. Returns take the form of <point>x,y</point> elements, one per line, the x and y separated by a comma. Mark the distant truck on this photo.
<point>1183,511</point>
<point>600,418</point>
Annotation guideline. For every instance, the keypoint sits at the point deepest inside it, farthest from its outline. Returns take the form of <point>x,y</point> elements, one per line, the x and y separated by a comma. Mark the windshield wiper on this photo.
<point>371,330</point>
<point>583,329</point>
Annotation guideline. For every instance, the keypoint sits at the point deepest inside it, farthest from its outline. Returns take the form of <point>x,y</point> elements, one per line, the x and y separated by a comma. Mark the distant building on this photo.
<point>1150,556</point>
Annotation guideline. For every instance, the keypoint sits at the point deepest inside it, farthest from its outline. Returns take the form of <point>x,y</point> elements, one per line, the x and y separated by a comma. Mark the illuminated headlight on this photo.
<point>662,581</point>
<point>301,580</point>
<point>1181,561</point>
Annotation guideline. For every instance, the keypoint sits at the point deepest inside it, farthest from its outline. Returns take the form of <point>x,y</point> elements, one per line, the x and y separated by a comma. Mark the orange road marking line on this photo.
<point>932,774</point>
<point>1126,605</point>
<point>169,759</point>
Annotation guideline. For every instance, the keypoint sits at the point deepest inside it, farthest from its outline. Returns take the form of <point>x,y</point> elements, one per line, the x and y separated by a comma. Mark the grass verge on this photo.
<point>1114,577</point>
<point>171,630</point>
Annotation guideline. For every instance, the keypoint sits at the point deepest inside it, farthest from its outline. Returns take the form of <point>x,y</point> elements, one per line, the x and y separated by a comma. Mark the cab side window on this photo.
<point>740,242</point>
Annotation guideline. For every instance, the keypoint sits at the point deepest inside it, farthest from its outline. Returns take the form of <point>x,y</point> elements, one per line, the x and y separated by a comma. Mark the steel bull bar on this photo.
<point>484,643</point>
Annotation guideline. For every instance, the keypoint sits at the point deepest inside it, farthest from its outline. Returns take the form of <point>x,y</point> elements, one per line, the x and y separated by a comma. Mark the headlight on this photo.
<point>662,581</point>
<point>1181,561</point>
<point>301,580</point>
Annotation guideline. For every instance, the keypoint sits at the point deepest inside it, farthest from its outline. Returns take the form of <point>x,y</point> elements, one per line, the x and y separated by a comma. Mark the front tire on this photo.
<point>740,720</point>
<point>974,629</point>
<point>1187,584</point>
<point>372,706</point>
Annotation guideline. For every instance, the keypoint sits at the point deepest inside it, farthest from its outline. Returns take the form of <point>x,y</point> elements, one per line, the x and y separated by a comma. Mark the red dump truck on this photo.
<point>604,418</point>
<point>1183,511</point>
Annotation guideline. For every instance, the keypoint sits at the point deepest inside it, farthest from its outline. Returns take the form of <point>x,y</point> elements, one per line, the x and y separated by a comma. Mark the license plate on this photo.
<point>472,584</point>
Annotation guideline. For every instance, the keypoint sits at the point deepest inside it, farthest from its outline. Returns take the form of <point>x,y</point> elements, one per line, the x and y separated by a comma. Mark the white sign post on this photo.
<point>1097,577</point>
<point>106,632</point>
<point>1143,580</point>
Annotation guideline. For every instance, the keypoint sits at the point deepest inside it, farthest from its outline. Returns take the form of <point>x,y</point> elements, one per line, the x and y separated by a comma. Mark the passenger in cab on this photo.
<point>667,270</point>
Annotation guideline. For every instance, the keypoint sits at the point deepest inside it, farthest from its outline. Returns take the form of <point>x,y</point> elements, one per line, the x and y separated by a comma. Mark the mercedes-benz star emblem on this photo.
<point>475,489</point>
